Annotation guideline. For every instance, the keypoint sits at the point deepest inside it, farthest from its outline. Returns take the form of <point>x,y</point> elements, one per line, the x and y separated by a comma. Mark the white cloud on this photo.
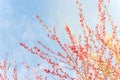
<point>5,8</point>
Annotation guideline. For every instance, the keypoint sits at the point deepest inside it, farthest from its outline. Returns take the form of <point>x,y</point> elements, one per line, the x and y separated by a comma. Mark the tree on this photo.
<point>85,57</point>
<point>87,60</point>
<point>5,67</point>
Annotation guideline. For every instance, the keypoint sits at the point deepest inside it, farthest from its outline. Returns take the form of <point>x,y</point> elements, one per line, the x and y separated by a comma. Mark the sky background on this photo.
<point>18,23</point>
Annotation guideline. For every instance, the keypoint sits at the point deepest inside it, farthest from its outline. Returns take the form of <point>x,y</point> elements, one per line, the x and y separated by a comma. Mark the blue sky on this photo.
<point>18,22</point>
